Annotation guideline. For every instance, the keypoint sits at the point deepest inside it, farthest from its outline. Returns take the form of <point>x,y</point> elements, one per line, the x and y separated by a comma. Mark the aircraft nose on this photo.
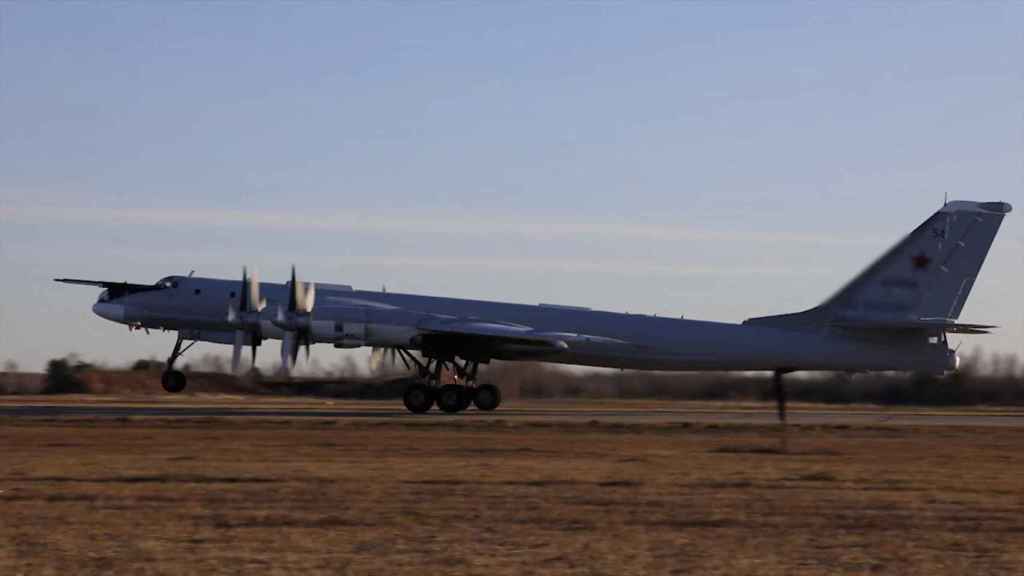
<point>108,311</point>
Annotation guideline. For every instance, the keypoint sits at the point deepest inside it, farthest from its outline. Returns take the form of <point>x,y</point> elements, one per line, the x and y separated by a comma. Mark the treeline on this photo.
<point>995,383</point>
<point>888,388</point>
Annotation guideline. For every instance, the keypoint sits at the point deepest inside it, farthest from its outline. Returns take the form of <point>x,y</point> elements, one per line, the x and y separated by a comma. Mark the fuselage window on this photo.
<point>196,291</point>
<point>232,294</point>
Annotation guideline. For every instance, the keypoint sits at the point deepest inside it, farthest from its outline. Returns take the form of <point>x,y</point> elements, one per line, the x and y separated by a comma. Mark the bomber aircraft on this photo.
<point>893,316</point>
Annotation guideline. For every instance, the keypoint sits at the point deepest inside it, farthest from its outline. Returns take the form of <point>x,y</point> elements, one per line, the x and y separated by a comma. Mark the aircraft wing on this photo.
<point>116,288</point>
<point>505,339</point>
<point>499,332</point>
<point>97,283</point>
<point>936,324</point>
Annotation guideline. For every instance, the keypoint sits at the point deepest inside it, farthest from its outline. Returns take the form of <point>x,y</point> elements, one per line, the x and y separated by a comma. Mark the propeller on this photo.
<point>382,359</point>
<point>246,318</point>
<point>296,321</point>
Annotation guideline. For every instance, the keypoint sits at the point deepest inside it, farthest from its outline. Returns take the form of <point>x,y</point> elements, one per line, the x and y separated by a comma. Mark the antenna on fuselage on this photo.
<point>191,272</point>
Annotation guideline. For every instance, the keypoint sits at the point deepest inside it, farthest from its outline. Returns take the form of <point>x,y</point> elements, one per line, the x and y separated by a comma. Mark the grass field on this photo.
<point>435,495</point>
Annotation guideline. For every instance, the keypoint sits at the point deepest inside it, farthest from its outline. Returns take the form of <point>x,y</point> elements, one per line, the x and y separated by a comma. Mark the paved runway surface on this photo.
<point>557,411</point>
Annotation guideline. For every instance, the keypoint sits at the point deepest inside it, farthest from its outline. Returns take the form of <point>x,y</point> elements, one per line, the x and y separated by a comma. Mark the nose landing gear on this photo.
<point>172,380</point>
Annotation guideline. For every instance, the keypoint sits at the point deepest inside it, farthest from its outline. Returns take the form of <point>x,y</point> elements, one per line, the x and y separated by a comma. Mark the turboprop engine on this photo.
<point>246,318</point>
<point>296,321</point>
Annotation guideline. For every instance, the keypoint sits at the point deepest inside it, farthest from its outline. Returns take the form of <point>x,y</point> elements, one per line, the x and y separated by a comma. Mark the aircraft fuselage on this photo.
<point>350,318</point>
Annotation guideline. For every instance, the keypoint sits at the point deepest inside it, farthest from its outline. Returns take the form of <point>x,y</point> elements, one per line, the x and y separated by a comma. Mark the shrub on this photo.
<point>62,376</point>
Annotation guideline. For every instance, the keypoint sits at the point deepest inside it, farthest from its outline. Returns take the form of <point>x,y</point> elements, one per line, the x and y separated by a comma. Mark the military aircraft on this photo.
<point>895,315</point>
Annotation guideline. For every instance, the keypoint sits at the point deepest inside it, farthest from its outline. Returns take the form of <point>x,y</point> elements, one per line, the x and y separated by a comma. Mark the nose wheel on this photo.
<point>173,381</point>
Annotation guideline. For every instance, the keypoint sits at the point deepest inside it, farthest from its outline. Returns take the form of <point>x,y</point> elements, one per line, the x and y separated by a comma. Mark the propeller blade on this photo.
<point>301,296</point>
<point>236,350</point>
<point>376,359</point>
<point>256,340</point>
<point>243,294</point>
<point>309,298</point>
<point>286,354</point>
<point>296,321</point>
<point>255,302</point>
<point>293,293</point>
<point>384,358</point>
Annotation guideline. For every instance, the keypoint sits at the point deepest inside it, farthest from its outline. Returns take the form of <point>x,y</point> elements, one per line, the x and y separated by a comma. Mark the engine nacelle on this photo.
<point>214,336</point>
<point>341,334</point>
<point>390,335</point>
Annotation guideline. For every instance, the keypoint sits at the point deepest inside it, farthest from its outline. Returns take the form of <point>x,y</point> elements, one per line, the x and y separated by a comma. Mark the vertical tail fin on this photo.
<point>927,275</point>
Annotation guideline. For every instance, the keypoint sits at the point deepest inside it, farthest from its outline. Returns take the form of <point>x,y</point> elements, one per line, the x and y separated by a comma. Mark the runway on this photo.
<point>611,412</point>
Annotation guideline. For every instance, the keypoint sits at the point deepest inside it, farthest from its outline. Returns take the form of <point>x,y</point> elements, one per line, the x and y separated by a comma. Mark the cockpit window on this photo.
<point>168,282</point>
<point>104,296</point>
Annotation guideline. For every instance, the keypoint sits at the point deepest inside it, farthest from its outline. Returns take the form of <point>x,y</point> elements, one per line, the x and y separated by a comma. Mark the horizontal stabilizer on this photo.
<point>923,324</point>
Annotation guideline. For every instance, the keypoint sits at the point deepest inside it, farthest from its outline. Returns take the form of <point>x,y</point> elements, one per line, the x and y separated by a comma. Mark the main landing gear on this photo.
<point>428,390</point>
<point>174,381</point>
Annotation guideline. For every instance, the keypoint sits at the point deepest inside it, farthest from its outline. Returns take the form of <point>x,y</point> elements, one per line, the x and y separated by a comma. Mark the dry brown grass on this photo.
<point>435,495</point>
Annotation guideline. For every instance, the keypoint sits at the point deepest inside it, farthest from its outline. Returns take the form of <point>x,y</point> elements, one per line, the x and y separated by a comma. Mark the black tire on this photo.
<point>468,394</point>
<point>173,381</point>
<point>487,397</point>
<point>418,398</point>
<point>449,398</point>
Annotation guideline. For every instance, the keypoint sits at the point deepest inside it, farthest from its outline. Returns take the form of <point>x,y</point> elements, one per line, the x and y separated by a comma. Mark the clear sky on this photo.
<point>719,160</point>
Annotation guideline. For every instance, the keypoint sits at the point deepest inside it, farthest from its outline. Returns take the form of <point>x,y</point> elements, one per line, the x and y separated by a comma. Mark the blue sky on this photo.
<point>715,160</point>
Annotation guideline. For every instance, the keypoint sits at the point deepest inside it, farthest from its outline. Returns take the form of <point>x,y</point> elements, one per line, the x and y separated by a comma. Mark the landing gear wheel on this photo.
<point>468,394</point>
<point>450,398</point>
<point>173,381</point>
<point>487,398</point>
<point>418,398</point>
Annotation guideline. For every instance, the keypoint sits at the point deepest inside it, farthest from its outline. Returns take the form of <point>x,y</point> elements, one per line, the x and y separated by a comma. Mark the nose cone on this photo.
<point>106,310</point>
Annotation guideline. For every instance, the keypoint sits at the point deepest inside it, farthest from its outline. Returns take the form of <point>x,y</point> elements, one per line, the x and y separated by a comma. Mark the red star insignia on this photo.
<point>921,261</point>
